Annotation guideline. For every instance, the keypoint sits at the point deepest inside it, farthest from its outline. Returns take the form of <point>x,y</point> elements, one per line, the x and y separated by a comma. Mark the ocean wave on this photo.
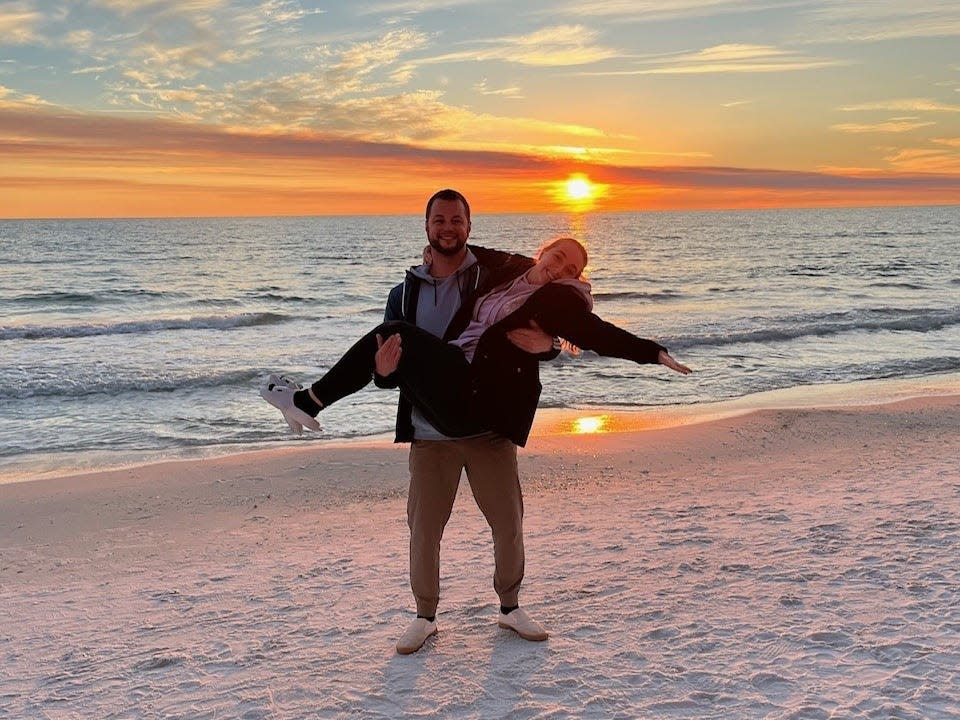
<point>854,372</point>
<point>902,285</point>
<point>278,297</point>
<point>785,329</point>
<point>133,327</point>
<point>14,388</point>
<point>68,298</point>
<point>910,368</point>
<point>636,295</point>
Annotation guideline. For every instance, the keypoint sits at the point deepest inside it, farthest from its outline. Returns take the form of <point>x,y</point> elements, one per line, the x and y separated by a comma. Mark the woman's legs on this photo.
<point>433,374</point>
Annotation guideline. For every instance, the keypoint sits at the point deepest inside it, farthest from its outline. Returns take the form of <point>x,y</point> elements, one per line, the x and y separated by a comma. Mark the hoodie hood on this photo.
<point>422,272</point>
<point>445,293</point>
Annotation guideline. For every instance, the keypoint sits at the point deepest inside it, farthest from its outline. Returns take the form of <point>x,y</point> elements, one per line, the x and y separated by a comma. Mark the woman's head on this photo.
<point>558,259</point>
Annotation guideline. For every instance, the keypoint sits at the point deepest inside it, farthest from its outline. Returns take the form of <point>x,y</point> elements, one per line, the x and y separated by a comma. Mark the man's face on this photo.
<point>447,227</point>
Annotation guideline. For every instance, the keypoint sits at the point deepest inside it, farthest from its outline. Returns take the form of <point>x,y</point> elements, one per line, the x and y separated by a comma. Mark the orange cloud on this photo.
<point>65,164</point>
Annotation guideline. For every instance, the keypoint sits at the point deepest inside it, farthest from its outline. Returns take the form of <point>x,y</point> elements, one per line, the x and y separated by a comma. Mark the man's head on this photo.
<point>448,222</point>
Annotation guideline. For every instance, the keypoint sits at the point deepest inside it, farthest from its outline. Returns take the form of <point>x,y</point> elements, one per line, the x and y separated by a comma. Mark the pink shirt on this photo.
<point>500,302</point>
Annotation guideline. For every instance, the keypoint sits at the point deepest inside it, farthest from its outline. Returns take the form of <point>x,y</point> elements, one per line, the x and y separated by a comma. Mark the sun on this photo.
<point>579,188</point>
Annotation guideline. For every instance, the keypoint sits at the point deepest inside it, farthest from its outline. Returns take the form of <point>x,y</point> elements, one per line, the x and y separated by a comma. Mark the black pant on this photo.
<point>434,375</point>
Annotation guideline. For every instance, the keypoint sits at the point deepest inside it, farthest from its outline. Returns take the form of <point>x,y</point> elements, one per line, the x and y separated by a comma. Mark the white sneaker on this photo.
<point>283,380</point>
<point>278,391</point>
<point>416,635</point>
<point>523,625</point>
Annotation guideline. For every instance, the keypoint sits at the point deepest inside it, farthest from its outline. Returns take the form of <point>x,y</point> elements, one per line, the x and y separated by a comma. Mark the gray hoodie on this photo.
<point>439,300</point>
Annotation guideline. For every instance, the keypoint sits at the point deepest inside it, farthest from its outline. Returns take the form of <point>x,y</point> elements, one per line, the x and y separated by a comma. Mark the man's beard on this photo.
<point>444,250</point>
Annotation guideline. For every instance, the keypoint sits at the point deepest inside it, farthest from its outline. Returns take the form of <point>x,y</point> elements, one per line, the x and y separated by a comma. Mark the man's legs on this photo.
<point>492,471</point>
<point>435,467</point>
<point>491,462</point>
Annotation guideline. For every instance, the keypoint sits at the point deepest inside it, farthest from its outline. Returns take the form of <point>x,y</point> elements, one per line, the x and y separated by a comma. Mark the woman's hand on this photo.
<point>664,359</point>
<point>388,354</point>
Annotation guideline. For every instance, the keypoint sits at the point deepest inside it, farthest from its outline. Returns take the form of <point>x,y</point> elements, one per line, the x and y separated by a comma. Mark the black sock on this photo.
<point>429,619</point>
<point>507,610</point>
<point>302,399</point>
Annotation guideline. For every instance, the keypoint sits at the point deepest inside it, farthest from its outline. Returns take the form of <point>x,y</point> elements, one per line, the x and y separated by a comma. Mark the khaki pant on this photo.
<point>435,468</point>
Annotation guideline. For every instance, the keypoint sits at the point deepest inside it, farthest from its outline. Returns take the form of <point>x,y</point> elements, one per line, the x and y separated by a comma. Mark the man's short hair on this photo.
<point>447,194</point>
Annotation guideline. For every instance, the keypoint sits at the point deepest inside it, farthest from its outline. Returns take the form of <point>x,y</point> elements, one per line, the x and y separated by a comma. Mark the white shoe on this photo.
<point>523,625</point>
<point>278,391</point>
<point>416,635</point>
<point>283,380</point>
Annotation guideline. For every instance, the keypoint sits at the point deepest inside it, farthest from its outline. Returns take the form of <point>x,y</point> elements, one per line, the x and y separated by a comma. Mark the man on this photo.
<point>429,297</point>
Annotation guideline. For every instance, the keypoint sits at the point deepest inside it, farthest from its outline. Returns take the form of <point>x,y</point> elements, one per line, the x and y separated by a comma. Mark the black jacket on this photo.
<point>402,305</point>
<point>506,380</point>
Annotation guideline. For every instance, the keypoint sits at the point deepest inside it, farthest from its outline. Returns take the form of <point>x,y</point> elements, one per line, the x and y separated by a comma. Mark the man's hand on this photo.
<point>428,255</point>
<point>531,339</point>
<point>665,359</point>
<point>388,355</point>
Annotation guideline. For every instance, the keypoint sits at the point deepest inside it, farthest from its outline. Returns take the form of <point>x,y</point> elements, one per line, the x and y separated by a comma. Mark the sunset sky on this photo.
<point>206,107</point>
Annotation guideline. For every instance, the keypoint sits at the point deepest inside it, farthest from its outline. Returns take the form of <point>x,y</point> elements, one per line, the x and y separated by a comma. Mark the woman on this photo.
<point>479,380</point>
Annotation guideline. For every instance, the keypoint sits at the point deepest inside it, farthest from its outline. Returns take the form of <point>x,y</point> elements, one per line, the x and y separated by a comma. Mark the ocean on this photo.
<point>148,339</point>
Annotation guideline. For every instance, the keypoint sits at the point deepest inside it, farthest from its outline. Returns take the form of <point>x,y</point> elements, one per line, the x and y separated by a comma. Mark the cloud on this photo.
<point>16,100</point>
<point>356,90</point>
<point>81,40</point>
<point>165,42</point>
<point>891,126</point>
<point>782,180</point>
<point>26,132</point>
<point>556,46</point>
<point>879,20</point>
<point>727,58</point>
<point>413,6</point>
<point>18,24</point>
<point>904,105</point>
<point>483,88</point>
<point>361,59</point>
<point>636,11</point>
<point>926,160</point>
<point>137,166</point>
<point>159,6</point>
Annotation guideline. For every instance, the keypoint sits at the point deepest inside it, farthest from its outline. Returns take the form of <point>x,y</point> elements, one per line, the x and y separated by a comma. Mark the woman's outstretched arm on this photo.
<point>561,311</point>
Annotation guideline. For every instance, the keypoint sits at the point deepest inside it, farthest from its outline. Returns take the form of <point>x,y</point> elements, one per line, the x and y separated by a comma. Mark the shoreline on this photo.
<point>549,422</point>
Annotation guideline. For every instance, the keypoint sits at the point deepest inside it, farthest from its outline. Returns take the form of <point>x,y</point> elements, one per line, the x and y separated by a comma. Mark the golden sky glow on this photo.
<point>131,108</point>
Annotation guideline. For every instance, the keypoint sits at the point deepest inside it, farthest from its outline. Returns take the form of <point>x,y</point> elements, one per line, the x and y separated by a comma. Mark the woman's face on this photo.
<point>563,260</point>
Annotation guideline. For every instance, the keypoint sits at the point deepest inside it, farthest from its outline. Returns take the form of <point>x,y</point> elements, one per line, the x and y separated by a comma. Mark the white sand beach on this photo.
<point>786,563</point>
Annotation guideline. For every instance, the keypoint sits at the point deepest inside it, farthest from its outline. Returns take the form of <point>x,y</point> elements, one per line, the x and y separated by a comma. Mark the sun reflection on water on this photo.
<point>590,424</point>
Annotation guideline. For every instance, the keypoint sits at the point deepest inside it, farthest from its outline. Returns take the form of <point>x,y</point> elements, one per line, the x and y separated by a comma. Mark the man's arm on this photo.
<point>532,339</point>
<point>495,258</point>
<point>393,311</point>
